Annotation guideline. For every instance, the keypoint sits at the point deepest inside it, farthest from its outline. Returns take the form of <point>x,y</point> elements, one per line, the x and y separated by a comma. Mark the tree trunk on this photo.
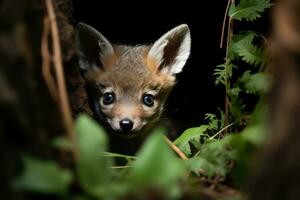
<point>29,116</point>
<point>278,176</point>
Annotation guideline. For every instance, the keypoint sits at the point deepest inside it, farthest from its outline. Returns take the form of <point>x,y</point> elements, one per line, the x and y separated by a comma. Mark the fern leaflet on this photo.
<point>243,46</point>
<point>249,10</point>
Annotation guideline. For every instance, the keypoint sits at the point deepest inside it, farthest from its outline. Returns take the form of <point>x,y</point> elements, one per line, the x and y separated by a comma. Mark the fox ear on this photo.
<point>92,47</point>
<point>170,52</point>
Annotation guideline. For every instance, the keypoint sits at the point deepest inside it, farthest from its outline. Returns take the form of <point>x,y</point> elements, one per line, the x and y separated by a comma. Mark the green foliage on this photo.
<point>243,54</point>
<point>43,177</point>
<point>157,166</point>
<point>248,9</point>
<point>213,121</point>
<point>92,166</point>
<point>211,159</point>
<point>214,155</point>
<point>242,45</point>
<point>257,83</point>
<point>191,135</point>
<point>223,72</point>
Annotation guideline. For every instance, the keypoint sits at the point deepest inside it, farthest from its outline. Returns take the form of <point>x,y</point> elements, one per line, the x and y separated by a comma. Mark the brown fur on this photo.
<point>132,69</point>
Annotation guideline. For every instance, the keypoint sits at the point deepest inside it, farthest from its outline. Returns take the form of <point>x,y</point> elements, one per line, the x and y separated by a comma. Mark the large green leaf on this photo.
<point>157,166</point>
<point>43,177</point>
<point>248,9</point>
<point>190,135</point>
<point>93,167</point>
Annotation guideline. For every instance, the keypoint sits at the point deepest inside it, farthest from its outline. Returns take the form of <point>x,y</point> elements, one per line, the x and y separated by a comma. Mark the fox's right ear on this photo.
<point>92,47</point>
<point>170,52</point>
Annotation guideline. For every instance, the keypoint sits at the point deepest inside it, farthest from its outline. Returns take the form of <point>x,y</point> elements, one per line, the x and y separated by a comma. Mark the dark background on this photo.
<point>128,22</point>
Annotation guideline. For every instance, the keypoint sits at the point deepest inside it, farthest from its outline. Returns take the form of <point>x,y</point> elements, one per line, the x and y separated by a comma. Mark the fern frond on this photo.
<point>223,72</point>
<point>243,46</point>
<point>249,10</point>
<point>257,83</point>
<point>253,83</point>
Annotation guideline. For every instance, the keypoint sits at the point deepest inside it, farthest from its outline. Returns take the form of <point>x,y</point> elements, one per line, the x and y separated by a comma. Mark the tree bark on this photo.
<point>278,176</point>
<point>29,116</point>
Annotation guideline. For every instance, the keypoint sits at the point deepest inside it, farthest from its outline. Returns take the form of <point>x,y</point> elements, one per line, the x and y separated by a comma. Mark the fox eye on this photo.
<point>148,100</point>
<point>108,98</point>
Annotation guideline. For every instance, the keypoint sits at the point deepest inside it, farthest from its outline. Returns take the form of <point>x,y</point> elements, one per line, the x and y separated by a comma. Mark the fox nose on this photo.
<point>126,125</point>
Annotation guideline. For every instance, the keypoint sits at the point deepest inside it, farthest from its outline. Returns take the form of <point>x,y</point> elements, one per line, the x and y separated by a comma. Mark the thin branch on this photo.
<point>176,149</point>
<point>58,66</point>
<point>110,154</point>
<point>224,24</point>
<point>50,82</point>
<point>120,167</point>
<point>219,132</point>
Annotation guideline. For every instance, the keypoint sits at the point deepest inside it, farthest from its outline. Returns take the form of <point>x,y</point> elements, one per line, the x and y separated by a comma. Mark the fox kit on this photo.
<point>128,85</point>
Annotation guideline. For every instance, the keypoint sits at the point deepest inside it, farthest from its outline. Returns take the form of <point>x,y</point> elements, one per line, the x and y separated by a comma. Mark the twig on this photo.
<point>224,23</point>
<point>223,129</point>
<point>110,154</point>
<point>120,167</point>
<point>176,149</point>
<point>227,81</point>
<point>58,66</point>
<point>46,61</point>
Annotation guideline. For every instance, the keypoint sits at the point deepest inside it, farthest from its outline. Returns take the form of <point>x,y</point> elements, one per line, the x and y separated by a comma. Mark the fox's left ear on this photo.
<point>92,47</point>
<point>170,52</point>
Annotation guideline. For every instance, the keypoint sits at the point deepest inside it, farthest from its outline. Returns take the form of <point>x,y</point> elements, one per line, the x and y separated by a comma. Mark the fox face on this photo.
<point>131,83</point>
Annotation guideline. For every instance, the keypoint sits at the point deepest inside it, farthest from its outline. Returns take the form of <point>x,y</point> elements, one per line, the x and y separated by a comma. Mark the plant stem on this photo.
<point>219,132</point>
<point>109,154</point>
<point>176,149</point>
<point>63,100</point>
<point>227,79</point>
<point>227,61</point>
<point>224,23</point>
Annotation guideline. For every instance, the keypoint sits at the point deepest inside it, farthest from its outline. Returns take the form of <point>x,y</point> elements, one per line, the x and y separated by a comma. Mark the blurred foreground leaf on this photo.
<point>43,177</point>
<point>93,167</point>
<point>157,166</point>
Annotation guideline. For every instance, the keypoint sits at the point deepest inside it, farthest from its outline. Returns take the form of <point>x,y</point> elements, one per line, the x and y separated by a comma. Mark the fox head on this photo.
<point>131,82</point>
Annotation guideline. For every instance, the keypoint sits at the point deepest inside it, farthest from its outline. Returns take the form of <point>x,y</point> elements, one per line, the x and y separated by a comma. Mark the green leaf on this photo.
<point>222,73</point>
<point>210,166</point>
<point>190,135</point>
<point>255,134</point>
<point>243,46</point>
<point>248,9</point>
<point>212,158</point>
<point>93,167</point>
<point>257,83</point>
<point>237,109</point>
<point>212,120</point>
<point>245,145</point>
<point>43,177</point>
<point>158,166</point>
<point>235,91</point>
